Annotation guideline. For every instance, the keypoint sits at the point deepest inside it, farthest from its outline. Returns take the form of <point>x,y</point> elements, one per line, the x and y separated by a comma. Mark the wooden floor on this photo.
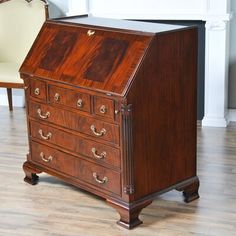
<point>57,209</point>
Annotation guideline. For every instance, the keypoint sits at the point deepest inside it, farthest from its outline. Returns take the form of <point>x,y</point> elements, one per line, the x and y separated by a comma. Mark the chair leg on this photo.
<point>9,96</point>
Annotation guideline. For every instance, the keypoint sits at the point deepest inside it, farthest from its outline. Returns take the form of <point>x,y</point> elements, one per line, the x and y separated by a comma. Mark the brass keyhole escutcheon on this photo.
<point>90,32</point>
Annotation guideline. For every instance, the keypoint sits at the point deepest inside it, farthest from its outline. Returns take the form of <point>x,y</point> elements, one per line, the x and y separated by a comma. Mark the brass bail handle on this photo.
<point>98,134</point>
<point>100,181</point>
<point>47,160</point>
<point>45,137</point>
<point>97,156</point>
<point>47,114</point>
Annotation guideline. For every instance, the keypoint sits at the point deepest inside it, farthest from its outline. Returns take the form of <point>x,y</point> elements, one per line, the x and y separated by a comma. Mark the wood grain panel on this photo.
<point>60,47</point>
<point>164,127</point>
<point>108,57</point>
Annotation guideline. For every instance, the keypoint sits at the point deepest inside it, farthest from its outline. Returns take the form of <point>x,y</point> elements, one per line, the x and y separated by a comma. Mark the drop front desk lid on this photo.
<point>89,52</point>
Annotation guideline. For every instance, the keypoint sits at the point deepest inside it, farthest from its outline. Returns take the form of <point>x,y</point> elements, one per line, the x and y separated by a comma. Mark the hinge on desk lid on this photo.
<point>127,139</point>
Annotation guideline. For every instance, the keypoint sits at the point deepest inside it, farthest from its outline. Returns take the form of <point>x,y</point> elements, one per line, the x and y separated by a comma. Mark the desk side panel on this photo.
<point>163,98</point>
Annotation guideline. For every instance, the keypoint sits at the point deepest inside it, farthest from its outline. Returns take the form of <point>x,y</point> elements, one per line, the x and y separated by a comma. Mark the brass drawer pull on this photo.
<point>80,103</point>
<point>102,132</point>
<point>103,109</point>
<point>90,32</point>
<point>57,97</point>
<point>101,156</point>
<point>44,159</point>
<point>47,137</point>
<point>37,91</point>
<point>103,181</point>
<point>47,115</point>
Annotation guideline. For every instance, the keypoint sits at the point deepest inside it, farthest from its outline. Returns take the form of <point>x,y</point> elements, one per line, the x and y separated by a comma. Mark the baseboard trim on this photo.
<point>215,122</point>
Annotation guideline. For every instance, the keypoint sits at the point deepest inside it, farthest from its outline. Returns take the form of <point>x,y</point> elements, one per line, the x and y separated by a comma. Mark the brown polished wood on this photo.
<point>77,50</point>
<point>86,125</point>
<point>70,98</point>
<point>94,151</point>
<point>113,111</point>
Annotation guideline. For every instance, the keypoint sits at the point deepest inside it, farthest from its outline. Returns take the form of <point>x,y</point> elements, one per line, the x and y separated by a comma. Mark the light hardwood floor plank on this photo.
<point>58,209</point>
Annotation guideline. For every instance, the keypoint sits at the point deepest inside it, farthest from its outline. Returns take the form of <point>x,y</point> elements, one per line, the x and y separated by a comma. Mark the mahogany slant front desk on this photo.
<point>111,109</point>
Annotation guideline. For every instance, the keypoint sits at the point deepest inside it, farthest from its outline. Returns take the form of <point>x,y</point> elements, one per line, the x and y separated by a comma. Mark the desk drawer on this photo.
<point>96,175</point>
<point>86,125</point>
<point>70,98</point>
<point>93,150</point>
<point>104,107</point>
<point>38,89</point>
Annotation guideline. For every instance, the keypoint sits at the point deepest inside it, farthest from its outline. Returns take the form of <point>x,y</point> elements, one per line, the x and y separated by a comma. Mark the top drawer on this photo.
<point>38,89</point>
<point>104,107</point>
<point>68,97</point>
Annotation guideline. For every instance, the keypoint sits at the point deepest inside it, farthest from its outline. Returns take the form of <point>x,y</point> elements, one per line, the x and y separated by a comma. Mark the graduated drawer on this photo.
<point>86,125</point>
<point>93,150</point>
<point>70,98</point>
<point>96,175</point>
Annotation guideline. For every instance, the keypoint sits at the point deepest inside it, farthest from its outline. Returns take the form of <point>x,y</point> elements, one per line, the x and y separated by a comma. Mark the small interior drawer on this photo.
<point>38,89</point>
<point>104,107</point>
<point>70,98</point>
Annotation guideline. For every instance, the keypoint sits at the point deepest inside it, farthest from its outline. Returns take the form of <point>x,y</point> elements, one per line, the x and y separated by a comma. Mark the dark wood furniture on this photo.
<point>112,109</point>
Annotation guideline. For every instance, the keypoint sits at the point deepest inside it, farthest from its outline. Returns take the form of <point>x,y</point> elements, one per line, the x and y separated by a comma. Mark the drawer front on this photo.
<point>86,125</point>
<point>100,176</point>
<point>88,172</point>
<point>69,98</point>
<point>53,159</point>
<point>93,150</point>
<point>38,89</point>
<point>104,107</point>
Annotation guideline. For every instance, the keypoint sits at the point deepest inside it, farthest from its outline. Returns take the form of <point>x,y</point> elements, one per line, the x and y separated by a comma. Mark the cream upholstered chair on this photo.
<point>20,22</point>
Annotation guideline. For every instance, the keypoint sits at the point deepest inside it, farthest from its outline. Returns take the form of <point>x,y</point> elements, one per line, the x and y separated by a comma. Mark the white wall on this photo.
<point>58,8</point>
